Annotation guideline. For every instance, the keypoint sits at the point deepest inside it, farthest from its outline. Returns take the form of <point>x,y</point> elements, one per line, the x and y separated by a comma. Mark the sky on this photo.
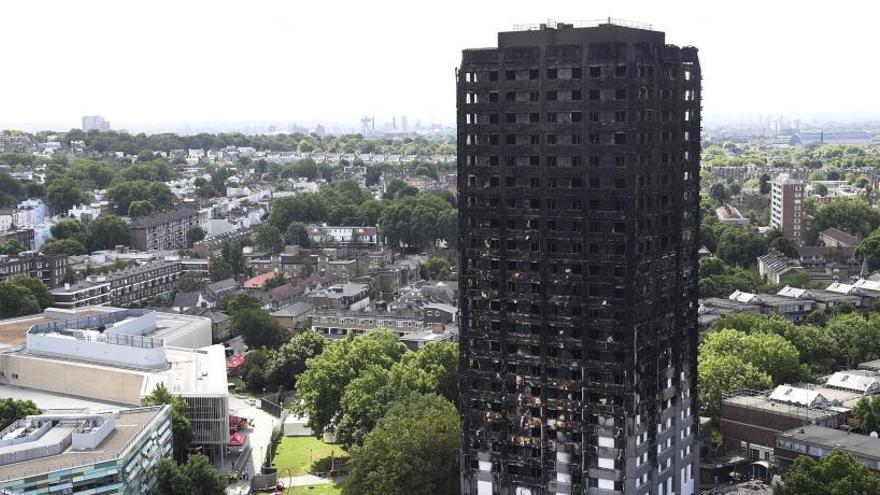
<point>335,61</point>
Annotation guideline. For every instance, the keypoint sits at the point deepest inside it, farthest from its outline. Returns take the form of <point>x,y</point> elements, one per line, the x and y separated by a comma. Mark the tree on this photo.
<point>767,352</point>
<point>432,268</point>
<point>717,374</point>
<point>277,281</point>
<point>196,477</point>
<point>181,427</point>
<point>11,247</point>
<point>253,369</point>
<point>241,302</point>
<point>820,189</point>
<point>297,234</point>
<point>140,208</point>
<point>867,413</point>
<point>718,192</point>
<point>289,361</point>
<point>68,228</point>
<point>268,237</point>
<point>205,479</point>
<point>232,253</point>
<point>12,410</point>
<point>257,327</point>
<point>853,215</point>
<point>106,231</point>
<point>835,474</point>
<point>194,235</point>
<point>123,194</point>
<point>190,282</point>
<point>171,479</point>
<point>776,240</point>
<point>63,193</point>
<point>414,449</point>
<point>219,269</point>
<point>869,247</point>
<point>740,247</point>
<point>321,386</point>
<point>854,338</point>
<point>17,300</point>
<point>36,288</point>
<point>764,187</point>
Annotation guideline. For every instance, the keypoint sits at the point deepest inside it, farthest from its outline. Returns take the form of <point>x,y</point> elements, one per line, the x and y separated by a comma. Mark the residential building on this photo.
<point>774,266</point>
<point>120,288</point>
<point>212,245</point>
<point>48,269</point>
<point>578,171</point>
<point>787,212</point>
<point>818,441</point>
<point>85,452</point>
<point>324,234</point>
<point>795,309</point>
<point>25,237</point>
<point>834,237</point>
<point>165,231</point>
<point>412,330</point>
<point>295,315</point>
<point>341,296</point>
<point>751,420</point>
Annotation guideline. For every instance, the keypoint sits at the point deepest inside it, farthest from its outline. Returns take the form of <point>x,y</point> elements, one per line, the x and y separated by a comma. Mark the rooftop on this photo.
<point>157,219</point>
<point>294,309</point>
<point>833,438</point>
<point>840,236</point>
<point>128,425</point>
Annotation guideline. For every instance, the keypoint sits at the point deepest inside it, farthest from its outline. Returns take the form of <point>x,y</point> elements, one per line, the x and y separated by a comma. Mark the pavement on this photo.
<point>304,480</point>
<point>259,436</point>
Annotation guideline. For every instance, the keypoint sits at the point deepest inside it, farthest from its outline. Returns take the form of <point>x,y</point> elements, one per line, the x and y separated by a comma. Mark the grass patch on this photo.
<point>303,455</point>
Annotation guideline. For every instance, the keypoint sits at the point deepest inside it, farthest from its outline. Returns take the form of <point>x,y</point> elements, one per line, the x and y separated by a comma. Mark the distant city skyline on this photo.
<point>293,62</point>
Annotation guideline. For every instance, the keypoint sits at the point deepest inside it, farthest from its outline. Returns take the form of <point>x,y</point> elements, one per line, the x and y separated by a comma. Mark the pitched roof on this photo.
<point>795,395</point>
<point>840,236</point>
<point>186,299</point>
<point>858,380</point>
<point>221,285</point>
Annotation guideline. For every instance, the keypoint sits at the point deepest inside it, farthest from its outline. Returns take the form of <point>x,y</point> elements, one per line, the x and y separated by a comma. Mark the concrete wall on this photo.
<point>76,379</point>
<point>91,350</point>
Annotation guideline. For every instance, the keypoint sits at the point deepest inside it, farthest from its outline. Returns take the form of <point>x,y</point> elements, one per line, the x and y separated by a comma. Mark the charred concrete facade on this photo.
<point>578,168</point>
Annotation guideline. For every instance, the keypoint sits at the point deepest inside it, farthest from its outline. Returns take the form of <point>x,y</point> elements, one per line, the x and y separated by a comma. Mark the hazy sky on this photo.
<point>328,60</point>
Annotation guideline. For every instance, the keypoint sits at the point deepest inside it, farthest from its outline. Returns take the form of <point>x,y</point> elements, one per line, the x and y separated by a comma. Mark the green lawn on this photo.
<point>305,454</point>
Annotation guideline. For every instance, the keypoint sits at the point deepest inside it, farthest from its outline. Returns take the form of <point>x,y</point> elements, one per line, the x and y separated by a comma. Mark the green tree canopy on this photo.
<point>181,427</point>
<point>767,352</point>
<point>321,386</point>
<point>196,477</point>
<point>835,474</point>
<point>720,373</point>
<point>413,450</point>
<point>257,327</point>
<point>106,231</point>
<point>63,246</point>
<point>67,228</point>
<point>867,413</point>
<point>11,410</point>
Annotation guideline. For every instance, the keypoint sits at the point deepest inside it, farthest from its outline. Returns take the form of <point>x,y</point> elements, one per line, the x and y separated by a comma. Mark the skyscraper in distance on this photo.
<point>578,169</point>
<point>95,122</point>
